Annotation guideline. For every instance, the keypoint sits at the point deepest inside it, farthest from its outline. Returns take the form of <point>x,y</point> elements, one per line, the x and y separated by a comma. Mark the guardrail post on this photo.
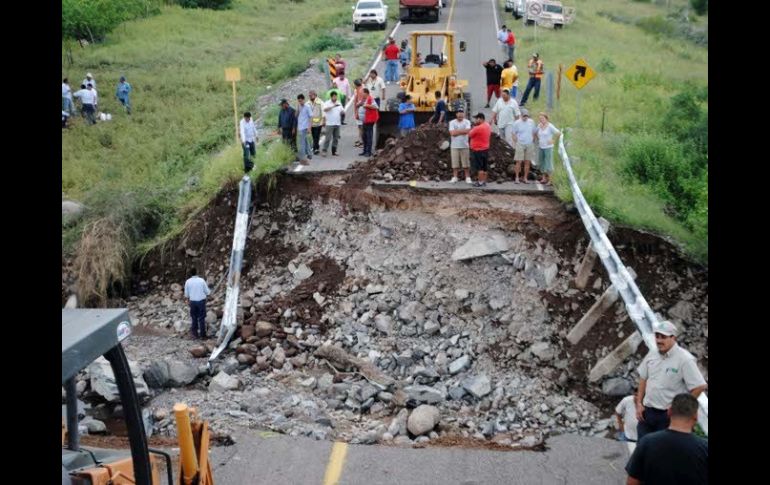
<point>603,303</point>
<point>587,265</point>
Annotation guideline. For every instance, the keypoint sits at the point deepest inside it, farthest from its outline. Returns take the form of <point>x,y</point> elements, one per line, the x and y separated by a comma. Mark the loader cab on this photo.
<point>88,334</point>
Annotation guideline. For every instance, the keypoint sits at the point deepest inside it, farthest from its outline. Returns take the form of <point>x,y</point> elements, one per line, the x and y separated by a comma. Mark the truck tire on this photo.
<point>355,27</point>
<point>529,22</point>
<point>403,14</point>
<point>557,26</point>
<point>384,25</point>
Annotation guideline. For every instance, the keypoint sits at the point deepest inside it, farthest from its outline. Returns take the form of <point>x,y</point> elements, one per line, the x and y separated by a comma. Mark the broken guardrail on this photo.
<point>229,320</point>
<point>622,280</point>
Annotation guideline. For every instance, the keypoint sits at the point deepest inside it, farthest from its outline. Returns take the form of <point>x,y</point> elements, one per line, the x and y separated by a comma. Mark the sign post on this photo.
<point>579,74</point>
<point>233,74</point>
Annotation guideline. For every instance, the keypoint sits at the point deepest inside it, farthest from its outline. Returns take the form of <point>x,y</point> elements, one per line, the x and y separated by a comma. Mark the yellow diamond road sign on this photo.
<point>580,73</point>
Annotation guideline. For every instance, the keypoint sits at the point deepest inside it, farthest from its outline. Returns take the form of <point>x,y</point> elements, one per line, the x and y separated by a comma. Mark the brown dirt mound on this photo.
<point>327,277</point>
<point>418,156</point>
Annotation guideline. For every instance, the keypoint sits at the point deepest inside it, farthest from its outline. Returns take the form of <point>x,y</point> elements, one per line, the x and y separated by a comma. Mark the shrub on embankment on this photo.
<point>94,19</point>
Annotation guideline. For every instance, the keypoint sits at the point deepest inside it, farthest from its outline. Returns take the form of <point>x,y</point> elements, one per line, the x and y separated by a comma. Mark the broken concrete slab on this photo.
<point>481,245</point>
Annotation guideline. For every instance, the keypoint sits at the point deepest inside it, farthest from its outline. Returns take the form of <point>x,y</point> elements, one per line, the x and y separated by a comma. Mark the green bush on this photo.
<point>327,42</point>
<point>94,19</point>
<point>606,65</point>
<point>210,4</point>
<point>700,6</point>
<point>657,25</point>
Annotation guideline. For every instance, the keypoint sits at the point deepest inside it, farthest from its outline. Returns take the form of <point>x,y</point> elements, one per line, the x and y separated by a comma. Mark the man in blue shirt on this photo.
<point>406,115</point>
<point>287,124</point>
<point>439,116</point>
<point>122,93</point>
<point>195,292</point>
<point>304,120</point>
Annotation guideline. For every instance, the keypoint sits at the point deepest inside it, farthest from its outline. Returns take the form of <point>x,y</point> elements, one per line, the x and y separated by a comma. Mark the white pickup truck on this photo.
<point>543,12</point>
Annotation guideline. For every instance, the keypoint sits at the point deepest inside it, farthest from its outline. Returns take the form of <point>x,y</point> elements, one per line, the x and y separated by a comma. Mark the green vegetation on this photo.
<point>649,169</point>
<point>212,4</point>
<point>94,19</point>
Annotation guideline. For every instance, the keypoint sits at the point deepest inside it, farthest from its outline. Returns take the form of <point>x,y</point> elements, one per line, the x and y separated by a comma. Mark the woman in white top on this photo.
<point>547,135</point>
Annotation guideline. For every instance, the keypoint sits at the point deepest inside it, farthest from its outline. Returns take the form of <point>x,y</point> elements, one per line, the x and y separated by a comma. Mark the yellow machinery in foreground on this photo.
<point>88,334</point>
<point>435,70</point>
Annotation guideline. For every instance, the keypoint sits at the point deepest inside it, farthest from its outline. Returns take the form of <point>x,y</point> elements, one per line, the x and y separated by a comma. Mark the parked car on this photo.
<point>517,7</point>
<point>509,5</point>
<point>369,13</point>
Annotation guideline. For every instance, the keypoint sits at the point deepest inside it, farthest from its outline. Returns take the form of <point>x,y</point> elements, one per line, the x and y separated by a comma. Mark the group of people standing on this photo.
<point>89,98</point>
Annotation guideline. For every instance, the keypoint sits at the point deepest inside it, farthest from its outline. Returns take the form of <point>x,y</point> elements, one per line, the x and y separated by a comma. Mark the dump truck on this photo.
<point>435,70</point>
<point>88,334</point>
<point>411,10</point>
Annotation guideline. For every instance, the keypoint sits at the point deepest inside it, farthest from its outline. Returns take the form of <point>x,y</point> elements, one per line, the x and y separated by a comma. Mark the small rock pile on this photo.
<point>424,155</point>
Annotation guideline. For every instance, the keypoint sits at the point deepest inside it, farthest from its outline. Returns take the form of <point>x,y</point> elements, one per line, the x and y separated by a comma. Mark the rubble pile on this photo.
<point>386,327</point>
<point>424,155</point>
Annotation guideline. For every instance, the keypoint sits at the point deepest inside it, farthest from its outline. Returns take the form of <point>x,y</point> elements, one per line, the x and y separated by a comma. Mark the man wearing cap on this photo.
<point>122,93</point>
<point>663,374</point>
<point>535,67</point>
<point>89,79</point>
<point>248,135</point>
<point>287,124</point>
<point>460,152</point>
<point>494,71</point>
<point>505,113</point>
<point>315,129</point>
<point>524,130</point>
<point>479,141</point>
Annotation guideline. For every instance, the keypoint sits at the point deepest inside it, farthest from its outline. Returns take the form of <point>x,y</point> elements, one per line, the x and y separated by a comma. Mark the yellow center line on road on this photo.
<point>449,22</point>
<point>336,462</point>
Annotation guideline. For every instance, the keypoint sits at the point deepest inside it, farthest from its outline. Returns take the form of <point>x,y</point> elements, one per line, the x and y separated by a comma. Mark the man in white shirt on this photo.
<point>248,135</point>
<point>88,98</point>
<point>524,130</point>
<point>332,113</point>
<point>89,80</point>
<point>459,147</point>
<point>195,292</point>
<point>663,374</point>
<point>505,112</point>
<point>625,413</point>
<point>376,87</point>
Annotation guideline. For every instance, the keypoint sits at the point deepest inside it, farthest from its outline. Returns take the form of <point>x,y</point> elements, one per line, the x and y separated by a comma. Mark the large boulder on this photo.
<point>169,374</point>
<point>425,394</point>
<point>103,380</point>
<point>423,419</point>
<point>479,386</point>
<point>223,382</point>
<point>481,245</point>
<point>617,387</point>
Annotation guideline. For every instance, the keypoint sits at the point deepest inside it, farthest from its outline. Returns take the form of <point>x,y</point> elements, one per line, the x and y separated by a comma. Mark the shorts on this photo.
<point>524,152</point>
<point>480,160</point>
<point>460,157</point>
<point>493,88</point>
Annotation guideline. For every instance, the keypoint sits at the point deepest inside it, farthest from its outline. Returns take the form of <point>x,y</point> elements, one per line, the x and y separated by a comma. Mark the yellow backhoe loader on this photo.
<point>88,334</point>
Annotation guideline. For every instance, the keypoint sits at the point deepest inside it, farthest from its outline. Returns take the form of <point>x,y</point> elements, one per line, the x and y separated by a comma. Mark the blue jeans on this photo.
<point>125,102</point>
<point>532,83</point>
<point>514,91</point>
<point>368,138</point>
<point>304,145</point>
<point>509,49</point>
<point>68,106</point>
<point>391,70</point>
<point>198,314</point>
<point>249,150</point>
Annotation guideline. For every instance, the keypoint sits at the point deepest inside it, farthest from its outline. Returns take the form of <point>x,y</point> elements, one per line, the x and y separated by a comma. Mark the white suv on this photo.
<point>370,12</point>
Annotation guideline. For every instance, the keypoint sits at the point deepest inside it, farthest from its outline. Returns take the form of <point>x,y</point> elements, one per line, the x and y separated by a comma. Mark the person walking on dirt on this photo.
<point>674,455</point>
<point>67,104</point>
<point>440,113</point>
<point>332,113</point>
<point>479,137</point>
<point>524,130</point>
<point>391,52</point>
<point>376,87</point>
<point>406,115</point>
<point>547,134</point>
<point>315,128</point>
<point>122,92</point>
<point>505,112</point>
<point>535,67</point>
<point>87,97</point>
<point>371,116</point>
<point>510,44</point>
<point>459,148</point>
<point>287,124</point>
<point>195,292</point>
<point>359,111</point>
<point>248,136</point>
<point>304,122</point>
<point>493,79</point>
<point>663,374</point>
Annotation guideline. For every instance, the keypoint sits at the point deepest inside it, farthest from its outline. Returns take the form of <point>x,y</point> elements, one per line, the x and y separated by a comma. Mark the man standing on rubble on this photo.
<point>479,140</point>
<point>195,292</point>
<point>406,115</point>
<point>505,113</point>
